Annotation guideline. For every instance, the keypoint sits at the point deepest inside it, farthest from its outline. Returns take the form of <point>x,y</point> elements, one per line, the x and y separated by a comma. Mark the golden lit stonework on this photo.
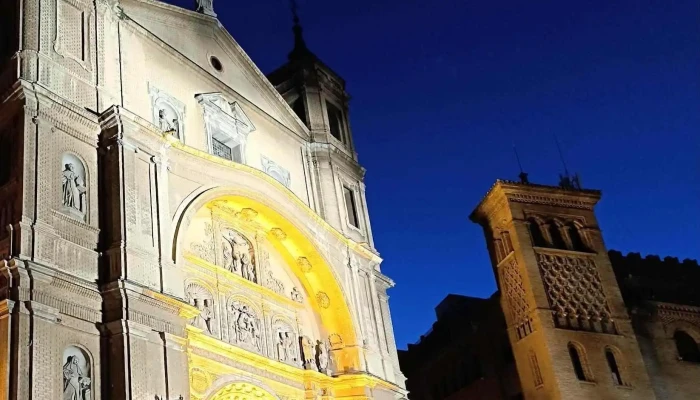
<point>304,264</point>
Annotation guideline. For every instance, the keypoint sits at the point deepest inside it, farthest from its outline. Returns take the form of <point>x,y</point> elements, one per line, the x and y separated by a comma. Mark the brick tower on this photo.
<point>571,335</point>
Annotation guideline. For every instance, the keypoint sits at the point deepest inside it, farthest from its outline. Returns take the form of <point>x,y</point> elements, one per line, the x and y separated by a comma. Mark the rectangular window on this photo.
<point>221,150</point>
<point>350,207</point>
<point>335,122</point>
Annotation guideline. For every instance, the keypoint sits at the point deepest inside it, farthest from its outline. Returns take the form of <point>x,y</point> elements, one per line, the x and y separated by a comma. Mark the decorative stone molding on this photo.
<point>276,171</point>
<point>168,112</point>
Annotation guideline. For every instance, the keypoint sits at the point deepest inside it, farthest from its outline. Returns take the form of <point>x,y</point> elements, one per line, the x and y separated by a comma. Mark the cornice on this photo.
<point>527,193</point>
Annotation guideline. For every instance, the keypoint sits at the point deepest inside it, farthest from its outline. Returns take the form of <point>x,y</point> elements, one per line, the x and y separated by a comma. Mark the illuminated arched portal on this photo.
<point>261,286</point>
<point>242,391</point>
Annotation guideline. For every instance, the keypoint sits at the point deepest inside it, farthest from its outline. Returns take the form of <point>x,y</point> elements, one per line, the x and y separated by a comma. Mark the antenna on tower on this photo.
<point>522,175</point>
<point>566,181</point>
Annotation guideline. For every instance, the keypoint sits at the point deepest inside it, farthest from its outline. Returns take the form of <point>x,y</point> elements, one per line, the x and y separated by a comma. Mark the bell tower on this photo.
<point>568,326</point>
<point>317,95</point>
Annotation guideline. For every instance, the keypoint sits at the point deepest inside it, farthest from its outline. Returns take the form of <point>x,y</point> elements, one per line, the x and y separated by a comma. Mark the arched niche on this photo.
<point>77,374</point>
<point>273,243</point>
<point>239,389</point>
<point>74,191</point>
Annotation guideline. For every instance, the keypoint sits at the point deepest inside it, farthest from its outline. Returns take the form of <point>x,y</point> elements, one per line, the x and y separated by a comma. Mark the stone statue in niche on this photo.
<point>322,357</point>
<point>203,301</point>
<point>308,354</point>
<point>206,314</point>
<point>238,255</point>
<point>246,325</point>
<point>296,295</point>
<point>285,346</point>
<point>167,122</point>
<point>73,188</point>
<point>76,375</point>
<point>247,268</point>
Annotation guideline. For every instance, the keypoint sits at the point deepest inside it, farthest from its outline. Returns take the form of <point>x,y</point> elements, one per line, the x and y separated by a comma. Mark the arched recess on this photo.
<point>289,235</point>
<point>242,389</point>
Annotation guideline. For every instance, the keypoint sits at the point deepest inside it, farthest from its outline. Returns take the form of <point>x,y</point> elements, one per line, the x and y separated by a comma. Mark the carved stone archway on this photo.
<point>242,391</point>
<point>301,255</point>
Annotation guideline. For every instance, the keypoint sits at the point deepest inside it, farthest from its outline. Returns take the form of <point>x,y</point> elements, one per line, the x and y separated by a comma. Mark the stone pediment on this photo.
<point>199,38</point>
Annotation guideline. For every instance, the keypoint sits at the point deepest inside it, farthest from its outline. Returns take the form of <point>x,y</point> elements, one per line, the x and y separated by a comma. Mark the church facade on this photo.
<point>175,224</point>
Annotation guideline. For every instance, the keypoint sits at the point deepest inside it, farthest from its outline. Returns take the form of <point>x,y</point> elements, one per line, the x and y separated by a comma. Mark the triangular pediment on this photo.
<point>200,37</point>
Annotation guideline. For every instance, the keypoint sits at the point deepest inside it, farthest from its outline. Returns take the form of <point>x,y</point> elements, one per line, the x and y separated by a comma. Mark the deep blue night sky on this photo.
<point>443,89</point>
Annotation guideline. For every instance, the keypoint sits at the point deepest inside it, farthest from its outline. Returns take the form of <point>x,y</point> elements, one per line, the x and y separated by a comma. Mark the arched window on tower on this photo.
<point>687,347</point>
<point>536,233</point>
<point>578,361</point>
<point>614,367</point>
<point>299,109</point>
<point>577,242</point>
<point>555,233</point>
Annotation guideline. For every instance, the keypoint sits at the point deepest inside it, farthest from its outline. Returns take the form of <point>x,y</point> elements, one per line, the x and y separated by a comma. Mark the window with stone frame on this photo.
<point>351,207</point>
<point>336,122</point>
<point>612,357</point>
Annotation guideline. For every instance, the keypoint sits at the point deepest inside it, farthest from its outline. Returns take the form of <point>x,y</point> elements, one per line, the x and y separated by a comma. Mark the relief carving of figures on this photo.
<point>76,379</point>
<point>274,284</point>
<point>285,346</point>
<point>201,299</point>
<point>296,295</point>
<point>73,186</point>
<point>322,357</point>
<point>238,255</point>
<point>246,325</point>
<point>308,353</point>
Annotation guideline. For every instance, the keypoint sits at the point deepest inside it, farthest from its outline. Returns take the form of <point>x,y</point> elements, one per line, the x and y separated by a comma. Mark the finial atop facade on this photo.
<point>299,44</point>
<point>206,7</point>
<point>522,175</point>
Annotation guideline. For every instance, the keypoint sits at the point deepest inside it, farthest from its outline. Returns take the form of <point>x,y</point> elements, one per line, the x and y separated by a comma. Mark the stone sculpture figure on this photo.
<point>206,7</point>
<point>282,351</point>
<point>247,268</point>
<point>322,356</point>
<point>76,386</point>
<point>246,325</point>
<point>206,314</point>
<point>307,351</point>
<point>296,295</point>
<point>73,189</point>
<point>163,123</point>
<point>239,246</point>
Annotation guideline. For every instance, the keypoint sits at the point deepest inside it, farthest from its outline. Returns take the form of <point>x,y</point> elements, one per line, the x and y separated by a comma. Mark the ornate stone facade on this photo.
<point>172,232</point>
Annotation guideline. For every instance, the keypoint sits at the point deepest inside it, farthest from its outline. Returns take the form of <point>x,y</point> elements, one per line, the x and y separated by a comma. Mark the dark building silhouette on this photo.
<point>466,354</point>
<point>570,320</point>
